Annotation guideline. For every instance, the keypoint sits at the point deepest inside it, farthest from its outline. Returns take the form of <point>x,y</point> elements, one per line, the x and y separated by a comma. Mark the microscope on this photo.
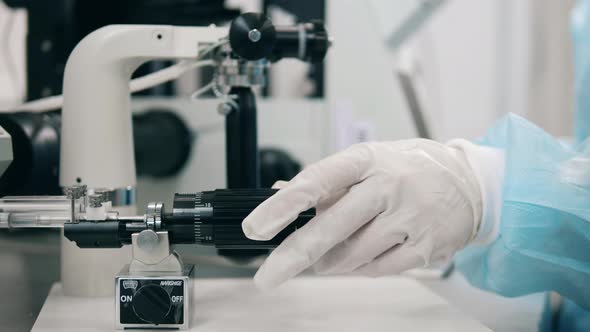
<point>154,289</point>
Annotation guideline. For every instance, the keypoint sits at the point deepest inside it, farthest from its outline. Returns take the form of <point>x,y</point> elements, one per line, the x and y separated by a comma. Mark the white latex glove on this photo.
<point>382,208</point>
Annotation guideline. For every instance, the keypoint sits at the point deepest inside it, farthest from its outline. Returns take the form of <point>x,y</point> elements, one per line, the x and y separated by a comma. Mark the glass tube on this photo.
<point>35,211</point>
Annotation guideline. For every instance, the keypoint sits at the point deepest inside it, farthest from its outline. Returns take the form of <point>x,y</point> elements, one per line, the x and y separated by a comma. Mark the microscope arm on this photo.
<point>97,141</point>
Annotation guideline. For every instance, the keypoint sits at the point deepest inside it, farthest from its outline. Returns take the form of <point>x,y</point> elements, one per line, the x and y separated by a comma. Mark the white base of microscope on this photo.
<point>303,304</point>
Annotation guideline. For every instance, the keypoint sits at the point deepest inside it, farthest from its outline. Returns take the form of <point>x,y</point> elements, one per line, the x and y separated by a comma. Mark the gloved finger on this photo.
<point>326,203</point>
<point>280,184</point>
<point>305,246</point>
<point>316,183</point>
<point>322,205</point>
<point>394,261</point>
<point>369,242</point>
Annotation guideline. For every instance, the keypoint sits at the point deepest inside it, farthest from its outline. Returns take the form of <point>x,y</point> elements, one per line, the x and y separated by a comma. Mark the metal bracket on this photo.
<point>152,253</point>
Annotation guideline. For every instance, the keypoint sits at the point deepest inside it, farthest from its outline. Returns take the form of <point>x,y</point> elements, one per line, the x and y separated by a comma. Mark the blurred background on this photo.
<point>397,69</point>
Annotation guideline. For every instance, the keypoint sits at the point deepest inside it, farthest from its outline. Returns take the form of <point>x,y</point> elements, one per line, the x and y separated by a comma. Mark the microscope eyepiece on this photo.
<point>253,36</point>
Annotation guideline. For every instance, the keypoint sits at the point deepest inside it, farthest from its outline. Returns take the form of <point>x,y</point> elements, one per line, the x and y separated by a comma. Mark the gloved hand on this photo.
<point>382,208</point>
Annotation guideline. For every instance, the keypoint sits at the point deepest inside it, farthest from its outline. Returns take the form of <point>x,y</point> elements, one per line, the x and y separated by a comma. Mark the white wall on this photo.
<point>500,56</point>
<point>462,62</point>
<point>474,61</point>
<point>360,77</point>
<point>463,53</point>
<point>551,79</point>
<point>13,32</point>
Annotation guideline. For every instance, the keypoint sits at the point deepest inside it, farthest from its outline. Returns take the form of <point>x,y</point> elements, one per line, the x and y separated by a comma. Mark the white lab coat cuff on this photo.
<point>488,167</point>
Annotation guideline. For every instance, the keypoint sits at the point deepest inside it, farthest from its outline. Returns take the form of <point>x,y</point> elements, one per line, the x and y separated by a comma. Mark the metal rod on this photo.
<point>73,207</point>
<point>242,159</point>
<point>414,105</point>
<point>131,218</point>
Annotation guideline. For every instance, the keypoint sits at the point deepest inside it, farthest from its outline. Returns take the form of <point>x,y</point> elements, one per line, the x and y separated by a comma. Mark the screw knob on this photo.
<point>254,35</point>
<point>95,200</point>
<point>76,191</point>
<point>104,193</point>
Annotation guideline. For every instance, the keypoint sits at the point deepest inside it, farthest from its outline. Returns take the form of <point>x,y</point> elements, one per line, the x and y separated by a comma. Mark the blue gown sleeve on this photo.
<point>544,240</point>
<point>580,27</point>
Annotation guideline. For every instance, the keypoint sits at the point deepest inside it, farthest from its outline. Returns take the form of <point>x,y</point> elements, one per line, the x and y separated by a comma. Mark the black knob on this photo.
<point>276,164</point>
<point>163,143</point>
<point>35,142</point>
<point>307,41</point>
<point>151,303</point>
<point>252,36</point>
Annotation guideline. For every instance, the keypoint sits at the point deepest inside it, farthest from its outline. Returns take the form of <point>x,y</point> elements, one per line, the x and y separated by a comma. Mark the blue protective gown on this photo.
<point>544,241</point>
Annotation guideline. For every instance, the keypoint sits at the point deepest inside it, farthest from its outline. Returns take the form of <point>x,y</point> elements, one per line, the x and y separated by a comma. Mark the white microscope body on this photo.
<point>97,136</point>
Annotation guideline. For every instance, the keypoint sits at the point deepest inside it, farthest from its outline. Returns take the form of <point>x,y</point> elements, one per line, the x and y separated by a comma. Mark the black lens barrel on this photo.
<point>217,217</point>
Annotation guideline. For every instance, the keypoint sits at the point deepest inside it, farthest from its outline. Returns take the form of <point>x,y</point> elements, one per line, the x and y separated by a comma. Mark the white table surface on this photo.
<point>303,304</point>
